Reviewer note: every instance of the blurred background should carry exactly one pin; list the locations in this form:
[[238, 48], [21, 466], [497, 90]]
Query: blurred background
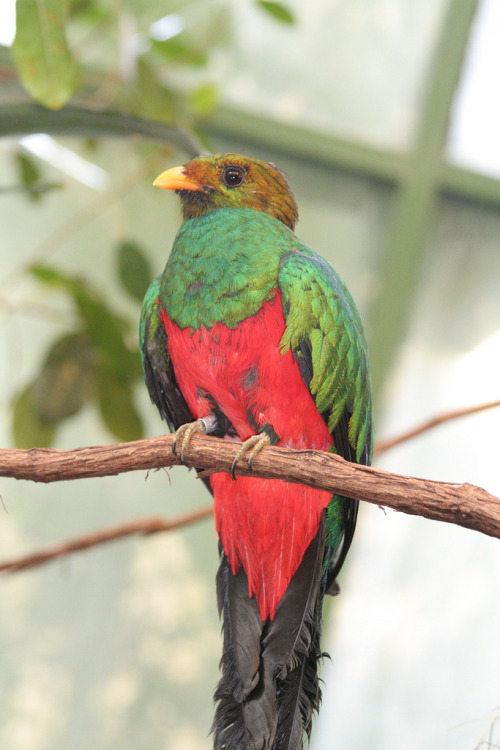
[[385, 115]]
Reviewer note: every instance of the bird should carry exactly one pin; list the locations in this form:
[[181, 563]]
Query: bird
[[250, 335]]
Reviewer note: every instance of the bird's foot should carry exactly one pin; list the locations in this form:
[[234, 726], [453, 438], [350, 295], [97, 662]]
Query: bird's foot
[[186, 431], [255, 443]]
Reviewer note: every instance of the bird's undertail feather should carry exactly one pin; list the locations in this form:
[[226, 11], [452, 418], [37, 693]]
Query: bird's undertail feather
[[299, 696], [269, 687], [246, 713]]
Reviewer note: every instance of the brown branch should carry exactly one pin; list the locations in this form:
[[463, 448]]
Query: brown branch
[[146, 526], [462, 504], [384, 445], [142, 526]]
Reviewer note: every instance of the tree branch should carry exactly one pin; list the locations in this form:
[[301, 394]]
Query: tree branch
[[20, 119], [144, 526], [462, 504], [384, 445]]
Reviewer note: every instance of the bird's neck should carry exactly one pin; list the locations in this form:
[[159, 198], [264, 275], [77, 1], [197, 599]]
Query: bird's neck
[[223, 267]]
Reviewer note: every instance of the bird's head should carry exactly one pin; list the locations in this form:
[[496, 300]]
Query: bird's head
[[231, 181]]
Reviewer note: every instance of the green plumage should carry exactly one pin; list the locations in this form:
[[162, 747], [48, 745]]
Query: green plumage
[[223, 267], [322, 315]]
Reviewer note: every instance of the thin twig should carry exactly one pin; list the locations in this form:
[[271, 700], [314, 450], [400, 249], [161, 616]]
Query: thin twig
[[385, 445], [142, 526]]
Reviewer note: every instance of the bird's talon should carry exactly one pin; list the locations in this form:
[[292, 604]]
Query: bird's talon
[[256, 443], [233, 467], [184, 435]]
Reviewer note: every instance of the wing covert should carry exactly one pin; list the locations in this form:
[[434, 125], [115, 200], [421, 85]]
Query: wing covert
[[325, 334]]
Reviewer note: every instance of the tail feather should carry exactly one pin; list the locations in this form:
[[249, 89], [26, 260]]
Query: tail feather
[[248, 724], [246, 713], [291, 632], [269, 687], [260, 712], [299, 696], [242, 627], [298, 648]]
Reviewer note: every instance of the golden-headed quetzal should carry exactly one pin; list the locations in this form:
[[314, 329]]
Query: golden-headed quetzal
[[249, 334]]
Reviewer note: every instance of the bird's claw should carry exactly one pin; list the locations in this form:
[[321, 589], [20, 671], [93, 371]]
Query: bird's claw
[[184, 435], [256, 443]]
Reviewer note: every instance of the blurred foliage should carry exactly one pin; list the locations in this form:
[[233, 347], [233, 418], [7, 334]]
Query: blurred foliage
[[134, 269], [277, 10], [124, 55], [41, 53], [31, 177], [84, 57], [93, 363]]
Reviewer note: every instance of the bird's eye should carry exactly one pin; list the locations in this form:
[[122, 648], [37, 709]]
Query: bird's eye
[[233, 176]]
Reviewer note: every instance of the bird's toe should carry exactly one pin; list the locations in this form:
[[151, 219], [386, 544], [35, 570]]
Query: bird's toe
[[254, 444], [184, 434]]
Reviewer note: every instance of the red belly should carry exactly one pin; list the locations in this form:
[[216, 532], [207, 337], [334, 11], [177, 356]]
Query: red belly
[[264, 525]]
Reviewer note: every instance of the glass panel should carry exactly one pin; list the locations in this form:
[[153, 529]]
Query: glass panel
[[473, 139], [356, 69]]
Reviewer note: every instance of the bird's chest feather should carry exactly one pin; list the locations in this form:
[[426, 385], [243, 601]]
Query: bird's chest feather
[[222, 268], [264, 525], [243, 371]]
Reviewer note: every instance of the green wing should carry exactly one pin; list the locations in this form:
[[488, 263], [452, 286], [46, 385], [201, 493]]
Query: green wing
[[326, 336], [156, 363], [324, 330]]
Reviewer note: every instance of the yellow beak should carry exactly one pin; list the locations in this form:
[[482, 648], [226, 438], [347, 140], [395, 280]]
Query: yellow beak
[[176, 179]]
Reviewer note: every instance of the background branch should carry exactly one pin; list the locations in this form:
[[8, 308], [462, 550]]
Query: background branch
[[142, 526], [21, 119], [384, 445]]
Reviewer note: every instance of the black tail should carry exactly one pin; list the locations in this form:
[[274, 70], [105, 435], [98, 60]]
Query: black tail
[[269, 685]]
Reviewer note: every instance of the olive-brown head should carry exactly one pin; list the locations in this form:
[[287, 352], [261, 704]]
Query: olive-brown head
[[231, 181]]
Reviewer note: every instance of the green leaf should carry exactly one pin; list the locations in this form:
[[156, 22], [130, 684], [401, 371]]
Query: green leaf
[[204, 100], [149, 98], [177, 51], [92, 12], [134, 270], [66, 380], [29, 175], [28, 169], [28, 429], [100, 320], [117, 409], [41, 53], [105, 329], [277, 10], [46, 274]]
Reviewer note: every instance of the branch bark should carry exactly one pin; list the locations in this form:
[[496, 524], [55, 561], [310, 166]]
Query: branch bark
[[462, 504]]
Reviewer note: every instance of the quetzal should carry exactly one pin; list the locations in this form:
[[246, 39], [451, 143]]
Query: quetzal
[[249, 334]]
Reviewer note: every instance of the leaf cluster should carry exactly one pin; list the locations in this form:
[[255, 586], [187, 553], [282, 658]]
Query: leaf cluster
[[101, 68], [93, 363], [126, 57]]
